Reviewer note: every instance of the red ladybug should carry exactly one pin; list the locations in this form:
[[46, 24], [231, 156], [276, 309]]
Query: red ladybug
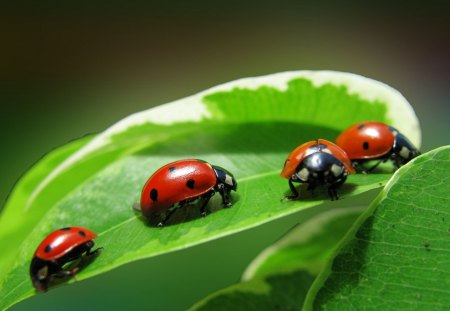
[[57, 249], [368, 141], [317, 163], [180, 183]]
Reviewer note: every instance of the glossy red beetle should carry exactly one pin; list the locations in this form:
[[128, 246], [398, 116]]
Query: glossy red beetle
[[57, 249], [180, 183], [317, 163], [367, 141]]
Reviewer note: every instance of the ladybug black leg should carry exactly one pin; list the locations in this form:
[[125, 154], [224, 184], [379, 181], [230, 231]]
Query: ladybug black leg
[[205, 199], [359, 167], [294, 194], [369, 170], [65, 273], [397, 162], [94, 252], [225, 194], [332, 190], [168, 215]]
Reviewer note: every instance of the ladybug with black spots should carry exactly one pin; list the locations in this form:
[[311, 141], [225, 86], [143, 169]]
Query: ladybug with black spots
[[367, 141], [57, 250], [182, 182], [317, 163]]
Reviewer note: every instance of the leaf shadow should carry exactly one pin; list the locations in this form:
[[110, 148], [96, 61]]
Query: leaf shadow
[[226, 138], [320, 193], [285, 291], [188, 213]]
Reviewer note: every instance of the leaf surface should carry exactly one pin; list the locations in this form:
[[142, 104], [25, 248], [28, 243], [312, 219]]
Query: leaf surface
[[306, 246], [396, 257], [247, 126], [280, 277]]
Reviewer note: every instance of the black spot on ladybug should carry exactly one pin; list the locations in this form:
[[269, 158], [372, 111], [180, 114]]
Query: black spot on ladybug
[[190, 183], [82, 233], [361, 126], [154, 195], [48, 248], [65, 229], [365, 145], [172, 168]]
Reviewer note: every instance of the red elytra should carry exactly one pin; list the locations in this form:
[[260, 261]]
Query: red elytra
[[304, 150], [367, 140], [62, 241], [175, 182]]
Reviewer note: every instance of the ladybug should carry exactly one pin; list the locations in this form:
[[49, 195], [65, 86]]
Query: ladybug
[[179, 183], [56, 250], [368, 141], [317, 163]]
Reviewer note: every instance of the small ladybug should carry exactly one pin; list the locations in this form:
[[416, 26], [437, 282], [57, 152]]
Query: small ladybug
[[180, 183], [368, 141], [317, 163], [56, 250]]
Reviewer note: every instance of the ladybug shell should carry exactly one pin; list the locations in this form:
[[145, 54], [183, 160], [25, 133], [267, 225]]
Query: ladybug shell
[[304, 150], [367, 140], [60, 242], [175, 182]]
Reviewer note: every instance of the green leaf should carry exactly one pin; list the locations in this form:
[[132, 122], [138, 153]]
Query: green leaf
[[247, 126], [280, 277], [274, 292], [13, 217], [306, 246], [396, 257]]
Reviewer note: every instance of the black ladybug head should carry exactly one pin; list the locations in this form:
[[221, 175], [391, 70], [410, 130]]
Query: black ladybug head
[[404, 149], [40, 273], [225, 177], [320, 168]]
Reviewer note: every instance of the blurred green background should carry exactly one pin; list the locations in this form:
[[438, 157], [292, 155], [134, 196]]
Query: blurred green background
[[67, 70]]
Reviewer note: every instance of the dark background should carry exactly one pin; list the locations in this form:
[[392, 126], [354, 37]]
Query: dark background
[[69, 69]]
